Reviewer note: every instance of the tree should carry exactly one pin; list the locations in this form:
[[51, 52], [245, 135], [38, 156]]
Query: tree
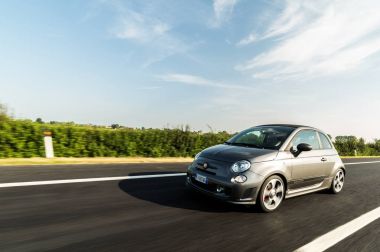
[[346, 145], [115, 126], [3, 113], [39, 120]]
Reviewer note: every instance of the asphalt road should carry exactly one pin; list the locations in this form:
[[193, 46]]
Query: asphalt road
[[157, 214]]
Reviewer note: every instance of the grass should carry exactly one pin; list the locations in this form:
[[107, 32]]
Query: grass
[[96, 160], [360, 156]]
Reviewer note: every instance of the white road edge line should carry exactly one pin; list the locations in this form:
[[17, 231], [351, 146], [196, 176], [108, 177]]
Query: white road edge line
[[85, 180], [333, 237], [68, 181], [369, 162]]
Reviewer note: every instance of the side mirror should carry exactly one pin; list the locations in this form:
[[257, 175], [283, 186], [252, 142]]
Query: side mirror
[[304, 147], [300, 148]]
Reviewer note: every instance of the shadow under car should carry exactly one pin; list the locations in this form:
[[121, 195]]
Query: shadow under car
[[172, 192]]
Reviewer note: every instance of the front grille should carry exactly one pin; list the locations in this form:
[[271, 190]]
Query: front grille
[[200, 166], [210, 186], [206, 171]]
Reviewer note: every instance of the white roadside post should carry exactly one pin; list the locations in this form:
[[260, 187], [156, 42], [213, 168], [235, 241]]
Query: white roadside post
[[48, 140]]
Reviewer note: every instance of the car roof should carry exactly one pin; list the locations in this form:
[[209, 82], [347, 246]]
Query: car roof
[[287, 125]]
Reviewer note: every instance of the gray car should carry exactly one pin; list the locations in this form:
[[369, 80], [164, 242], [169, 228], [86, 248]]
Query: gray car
[[264, 165]]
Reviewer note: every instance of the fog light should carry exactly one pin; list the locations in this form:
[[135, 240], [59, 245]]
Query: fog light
[[219, 189], [239, 179]]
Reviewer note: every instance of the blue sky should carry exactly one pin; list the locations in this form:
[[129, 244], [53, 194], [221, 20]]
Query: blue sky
[[230, 64]]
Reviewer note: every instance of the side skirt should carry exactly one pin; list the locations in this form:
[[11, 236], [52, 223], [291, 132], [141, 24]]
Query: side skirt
[[309, 189], [304, 183]]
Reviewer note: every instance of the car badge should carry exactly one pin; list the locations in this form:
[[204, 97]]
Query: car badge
[[205, 165]]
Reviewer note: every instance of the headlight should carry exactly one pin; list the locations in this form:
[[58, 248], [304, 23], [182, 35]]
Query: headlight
[[197, 156], [241, 166]]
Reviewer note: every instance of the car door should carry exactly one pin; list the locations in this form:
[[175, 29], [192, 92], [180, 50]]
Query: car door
[[328, 155], [307, 168]]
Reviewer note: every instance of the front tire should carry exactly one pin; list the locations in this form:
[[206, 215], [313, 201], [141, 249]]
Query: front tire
[[338, 182], [271, 194]]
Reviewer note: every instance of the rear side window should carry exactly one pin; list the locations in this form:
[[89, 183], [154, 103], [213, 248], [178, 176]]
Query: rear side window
[[306, 136], [324, 141]]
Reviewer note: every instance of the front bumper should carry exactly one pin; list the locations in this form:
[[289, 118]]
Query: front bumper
[[235, 193]]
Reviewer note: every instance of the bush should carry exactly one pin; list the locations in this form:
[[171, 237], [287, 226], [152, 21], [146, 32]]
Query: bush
[[24, 138], [351, 146]]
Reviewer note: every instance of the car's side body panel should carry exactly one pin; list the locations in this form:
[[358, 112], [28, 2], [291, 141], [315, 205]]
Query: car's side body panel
[[308, 165]]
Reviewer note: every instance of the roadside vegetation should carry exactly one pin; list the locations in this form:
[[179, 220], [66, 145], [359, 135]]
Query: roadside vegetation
[[24, 139]]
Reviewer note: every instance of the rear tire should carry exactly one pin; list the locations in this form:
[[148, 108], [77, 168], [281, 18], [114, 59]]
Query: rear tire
[[271, 194], [337, 182]]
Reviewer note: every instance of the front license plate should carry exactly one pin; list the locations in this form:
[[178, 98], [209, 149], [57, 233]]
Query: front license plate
[[200, 178]]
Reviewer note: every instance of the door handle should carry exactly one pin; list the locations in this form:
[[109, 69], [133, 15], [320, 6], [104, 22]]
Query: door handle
[[324, 159]]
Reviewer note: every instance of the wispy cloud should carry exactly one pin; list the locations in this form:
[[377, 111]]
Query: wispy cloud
[[135, 26], [152, 34], [293, 16], [222, 11], [247, 40], [318, 38], [195, 80]]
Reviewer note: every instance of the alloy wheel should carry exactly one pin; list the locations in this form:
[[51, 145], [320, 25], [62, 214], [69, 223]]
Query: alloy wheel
[[273, 194], [338, 181]]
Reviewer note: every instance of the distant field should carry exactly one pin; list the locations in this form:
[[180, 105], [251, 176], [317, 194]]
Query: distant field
[[98, 160]]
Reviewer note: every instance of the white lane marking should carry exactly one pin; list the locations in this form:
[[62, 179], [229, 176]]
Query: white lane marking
[[333, 237], [67, 181], [368, 162]]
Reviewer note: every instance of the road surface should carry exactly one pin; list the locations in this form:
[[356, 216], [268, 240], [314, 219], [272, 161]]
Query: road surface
[[157, 214]]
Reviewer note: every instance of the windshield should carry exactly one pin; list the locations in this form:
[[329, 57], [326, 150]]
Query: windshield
[[262, 137]]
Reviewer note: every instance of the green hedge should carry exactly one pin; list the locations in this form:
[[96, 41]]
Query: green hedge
[[24, 138], [351, 146]]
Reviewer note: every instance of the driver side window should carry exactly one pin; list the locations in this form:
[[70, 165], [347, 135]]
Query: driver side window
[[306, 136]]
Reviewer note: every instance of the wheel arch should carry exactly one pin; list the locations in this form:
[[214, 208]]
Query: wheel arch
[[336, 170], [281, 175], [344, 170]]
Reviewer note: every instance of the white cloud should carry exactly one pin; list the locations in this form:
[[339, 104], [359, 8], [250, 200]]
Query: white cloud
[[350, 58], [247, 40], [151, 34], [136, 26], [222, 11], [294, 15], [322, 37], [195, 80]]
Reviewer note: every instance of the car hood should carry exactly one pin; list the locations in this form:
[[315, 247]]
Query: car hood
[[230, 153]]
